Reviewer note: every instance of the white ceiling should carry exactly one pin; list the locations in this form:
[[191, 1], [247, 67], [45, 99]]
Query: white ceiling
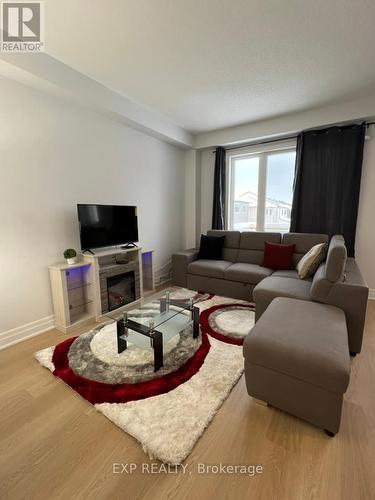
[[209, 64]]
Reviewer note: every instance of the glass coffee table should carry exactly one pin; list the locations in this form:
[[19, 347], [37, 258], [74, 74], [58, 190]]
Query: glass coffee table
[[172, 317]]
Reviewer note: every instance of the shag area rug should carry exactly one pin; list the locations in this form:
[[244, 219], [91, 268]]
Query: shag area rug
[[168, 410]]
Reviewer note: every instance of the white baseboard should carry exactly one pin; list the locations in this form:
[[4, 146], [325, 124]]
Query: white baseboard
[[24, 332]]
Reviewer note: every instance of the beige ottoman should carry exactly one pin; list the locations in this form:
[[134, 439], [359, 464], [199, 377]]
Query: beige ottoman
[[297, 359]]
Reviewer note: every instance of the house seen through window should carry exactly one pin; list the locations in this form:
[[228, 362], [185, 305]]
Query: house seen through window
[[261, 188]]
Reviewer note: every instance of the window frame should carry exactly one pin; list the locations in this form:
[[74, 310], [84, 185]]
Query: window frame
[[262, 151]]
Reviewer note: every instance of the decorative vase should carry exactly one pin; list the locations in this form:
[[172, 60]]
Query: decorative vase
[[71, 261]]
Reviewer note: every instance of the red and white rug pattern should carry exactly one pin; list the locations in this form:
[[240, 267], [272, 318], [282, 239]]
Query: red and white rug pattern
[[226, 319], [166, 411]]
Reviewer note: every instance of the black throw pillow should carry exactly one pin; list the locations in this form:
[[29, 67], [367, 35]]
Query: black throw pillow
[[211, 247]]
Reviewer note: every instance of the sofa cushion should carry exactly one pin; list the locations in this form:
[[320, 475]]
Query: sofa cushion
[[246, 273], [211, 268], [304, 340], [231, 243], [211, 247], [252, 246], [276, 286], [278, 256], [303, 243], [287, 273]]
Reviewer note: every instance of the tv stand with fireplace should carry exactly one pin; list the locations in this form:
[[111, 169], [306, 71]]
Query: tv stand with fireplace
[[100, 283]]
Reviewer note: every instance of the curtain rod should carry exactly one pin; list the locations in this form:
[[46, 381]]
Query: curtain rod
[[294, 136]]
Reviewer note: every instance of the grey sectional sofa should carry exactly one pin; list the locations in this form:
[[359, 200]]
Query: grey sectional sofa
[[239, 274], [297, 359]]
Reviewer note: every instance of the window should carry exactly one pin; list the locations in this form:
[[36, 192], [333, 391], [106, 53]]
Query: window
[[261, 183]]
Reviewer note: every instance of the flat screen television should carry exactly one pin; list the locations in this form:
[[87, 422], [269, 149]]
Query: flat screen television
[[107, 225]]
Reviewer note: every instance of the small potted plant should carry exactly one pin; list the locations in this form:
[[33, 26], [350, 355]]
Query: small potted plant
[[70, 255]]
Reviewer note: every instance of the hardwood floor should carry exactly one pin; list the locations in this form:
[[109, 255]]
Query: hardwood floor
[[54, 445]]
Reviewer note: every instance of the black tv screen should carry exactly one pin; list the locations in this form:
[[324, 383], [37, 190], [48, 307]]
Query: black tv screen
[[107, 225]]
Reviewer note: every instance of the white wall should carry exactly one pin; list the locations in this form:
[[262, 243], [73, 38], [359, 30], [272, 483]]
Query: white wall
[[365, 239], [50, 75], [191, 158], [339, 112], [52, 156]]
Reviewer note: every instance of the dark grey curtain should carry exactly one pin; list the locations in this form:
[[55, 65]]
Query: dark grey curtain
[[218, 210], [327, 182]]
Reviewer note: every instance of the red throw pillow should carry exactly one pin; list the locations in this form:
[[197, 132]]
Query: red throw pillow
[[278, 256]]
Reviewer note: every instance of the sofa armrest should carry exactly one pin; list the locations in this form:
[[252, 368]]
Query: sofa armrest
[[180, 262], [350, 295]]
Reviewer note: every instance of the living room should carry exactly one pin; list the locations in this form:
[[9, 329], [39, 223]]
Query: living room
[[187, 194]]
